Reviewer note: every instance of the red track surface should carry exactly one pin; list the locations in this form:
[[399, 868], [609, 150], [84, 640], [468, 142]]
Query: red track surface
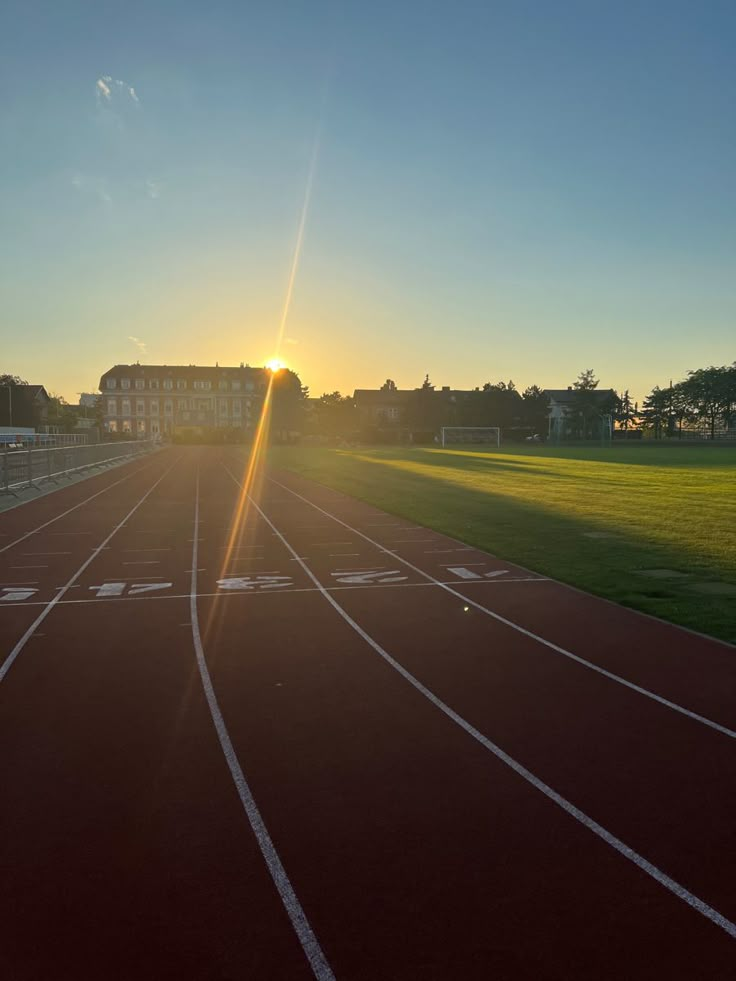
[[497, 778]]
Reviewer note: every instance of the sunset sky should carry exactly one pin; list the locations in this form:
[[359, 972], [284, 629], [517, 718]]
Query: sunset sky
[[480, 191]]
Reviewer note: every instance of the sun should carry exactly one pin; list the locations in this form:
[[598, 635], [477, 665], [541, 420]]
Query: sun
[[275, 365]]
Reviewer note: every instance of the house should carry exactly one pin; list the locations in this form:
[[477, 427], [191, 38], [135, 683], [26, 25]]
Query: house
[[25, 406], [564, 403], [152, 400], [377, 408]]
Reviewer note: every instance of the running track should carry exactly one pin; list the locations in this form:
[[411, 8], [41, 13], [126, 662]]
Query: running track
[[303, 738]]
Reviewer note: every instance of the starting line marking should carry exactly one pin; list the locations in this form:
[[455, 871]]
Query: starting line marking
[[221, 593]]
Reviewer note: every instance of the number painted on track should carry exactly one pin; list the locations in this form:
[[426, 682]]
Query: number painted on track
[[251, 583], [363, 578]]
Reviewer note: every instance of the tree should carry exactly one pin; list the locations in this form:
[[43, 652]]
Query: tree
[[389, 386], [625, 413], [6, 379], [535, 409], [585, 407], [656, 411], [334, 415], [287, 405], [61, 415], [586, 381]]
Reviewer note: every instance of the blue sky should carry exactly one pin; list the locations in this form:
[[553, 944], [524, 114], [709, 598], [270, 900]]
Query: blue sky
[[499, 190]]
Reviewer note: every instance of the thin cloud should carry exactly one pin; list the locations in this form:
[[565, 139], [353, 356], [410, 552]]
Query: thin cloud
[[111, 90], [141, 345], [291, 340], [153, 188]]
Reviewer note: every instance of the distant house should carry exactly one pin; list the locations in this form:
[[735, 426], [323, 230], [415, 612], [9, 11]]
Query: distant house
[[563, 403], [152, 400], [380, 407], [25, 406]]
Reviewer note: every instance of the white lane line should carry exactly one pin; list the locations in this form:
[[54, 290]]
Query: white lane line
[[413, 541], [8, 663], [724, 730], [446, 551], [29, 567], [164, 548], [588, 822], [310, 945], [39, 554], [69, 511], [144, 562], [343, 555], [449, 565]]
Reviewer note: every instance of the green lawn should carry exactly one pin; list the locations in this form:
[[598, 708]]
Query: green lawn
[[596, 518]]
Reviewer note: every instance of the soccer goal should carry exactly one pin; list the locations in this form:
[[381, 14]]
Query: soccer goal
[[475, 435]]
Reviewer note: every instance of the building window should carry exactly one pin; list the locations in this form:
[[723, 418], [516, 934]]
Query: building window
[[249, 386], [155, 429], [140, 407], [236, 386], [112, 426], [182, 404], [223, 407], [154, 384], [140, 384], [153, 407], [141, 425], [126, 407], [127, 427], [202, 385], [181, 384], [168, 407], [168, 384], [236, 407], [112, 407], [222, 385], [125, 383], [111, 382]]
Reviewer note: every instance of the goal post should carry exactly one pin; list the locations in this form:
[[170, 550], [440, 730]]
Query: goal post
[[471, 435]]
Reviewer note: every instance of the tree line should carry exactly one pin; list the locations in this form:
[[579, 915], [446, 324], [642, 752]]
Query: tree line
[[705, 400]]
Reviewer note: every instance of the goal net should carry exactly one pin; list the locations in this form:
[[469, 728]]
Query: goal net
[[476, 435]]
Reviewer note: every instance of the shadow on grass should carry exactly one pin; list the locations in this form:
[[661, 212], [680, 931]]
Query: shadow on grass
[[543, 540]]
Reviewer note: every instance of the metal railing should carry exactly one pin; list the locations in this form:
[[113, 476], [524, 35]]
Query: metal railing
[[26, 467]]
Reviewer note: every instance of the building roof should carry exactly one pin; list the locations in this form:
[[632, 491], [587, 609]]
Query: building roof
[[568, 394], [186, 371], [375, 396], [30, 392]]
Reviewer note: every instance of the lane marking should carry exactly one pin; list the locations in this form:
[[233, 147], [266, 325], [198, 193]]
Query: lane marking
[[310, 945], [9, 660], [45, 553], [462, 573], [297, 589], [29, 567], [144, 562], [678, 890], [15, 594], [694, 716], [69, 511]]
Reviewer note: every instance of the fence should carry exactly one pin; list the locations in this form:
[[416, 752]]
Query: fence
[[14, 438], [26, 467]]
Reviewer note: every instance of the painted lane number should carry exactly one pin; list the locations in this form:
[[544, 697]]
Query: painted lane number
[[254, 582], [364, 578], [108, 589]]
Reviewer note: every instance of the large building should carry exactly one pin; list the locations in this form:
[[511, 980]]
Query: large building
[[152, 400]]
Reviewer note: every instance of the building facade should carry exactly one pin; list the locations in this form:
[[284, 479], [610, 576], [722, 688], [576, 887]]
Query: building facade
[[157, 400]]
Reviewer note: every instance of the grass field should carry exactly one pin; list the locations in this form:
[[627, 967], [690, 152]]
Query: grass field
[[650, 527]]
